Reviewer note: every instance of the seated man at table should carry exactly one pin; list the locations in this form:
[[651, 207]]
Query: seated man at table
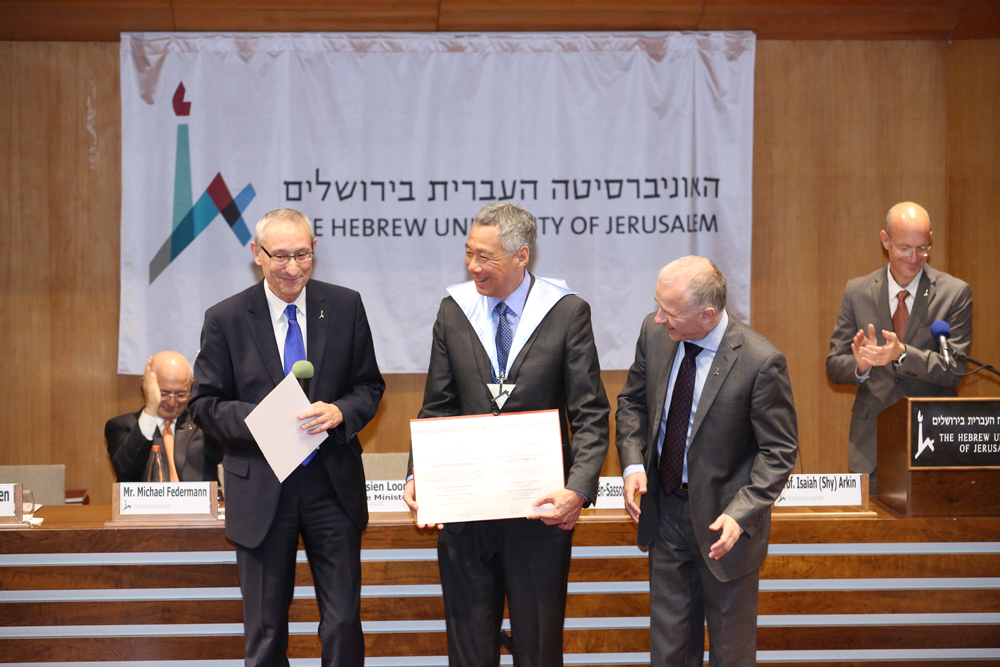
[[166, 388]]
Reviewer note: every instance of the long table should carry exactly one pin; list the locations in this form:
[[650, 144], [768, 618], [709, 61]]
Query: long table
[[835, 590]]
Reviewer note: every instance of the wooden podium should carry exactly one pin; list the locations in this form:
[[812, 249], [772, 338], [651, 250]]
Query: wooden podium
[[940, 456]]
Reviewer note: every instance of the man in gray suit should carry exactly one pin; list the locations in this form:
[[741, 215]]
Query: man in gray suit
[[165, 421], [707, 434], [882, 343], [534, 336]]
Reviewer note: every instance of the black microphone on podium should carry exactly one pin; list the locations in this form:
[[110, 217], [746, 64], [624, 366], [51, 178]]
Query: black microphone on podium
[[941, 333], [303, 371]]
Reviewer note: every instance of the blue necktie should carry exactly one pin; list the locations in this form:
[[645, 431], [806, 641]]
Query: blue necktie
[[295, 351], [504, 338]]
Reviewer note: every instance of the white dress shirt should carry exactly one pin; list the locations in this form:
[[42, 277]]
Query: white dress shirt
[[703, 364], [280, 320]]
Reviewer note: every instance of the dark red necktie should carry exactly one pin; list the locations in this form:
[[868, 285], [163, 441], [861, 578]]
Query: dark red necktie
[[901, 317], [671, 467]]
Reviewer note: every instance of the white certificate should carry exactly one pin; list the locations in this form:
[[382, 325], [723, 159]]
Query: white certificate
[[484, 467], [275, 425]]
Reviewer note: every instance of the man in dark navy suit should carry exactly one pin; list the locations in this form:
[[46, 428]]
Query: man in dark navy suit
[[248, 345]]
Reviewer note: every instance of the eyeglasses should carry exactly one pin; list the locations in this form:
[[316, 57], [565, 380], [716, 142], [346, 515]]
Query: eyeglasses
[[907, 251], [176, 395], [299, 257]]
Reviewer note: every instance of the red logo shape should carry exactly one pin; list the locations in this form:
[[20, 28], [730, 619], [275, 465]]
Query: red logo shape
[[181, 108]]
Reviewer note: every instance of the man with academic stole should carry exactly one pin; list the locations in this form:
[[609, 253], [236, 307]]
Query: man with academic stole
[[533, 336]]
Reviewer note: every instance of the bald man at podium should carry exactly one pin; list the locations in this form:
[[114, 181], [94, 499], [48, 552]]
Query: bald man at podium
[[882, 343]]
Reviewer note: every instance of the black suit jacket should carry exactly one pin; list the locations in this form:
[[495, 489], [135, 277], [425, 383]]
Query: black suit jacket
[[239, 364], [922, 373], [196, 456], [744, 441], [557, 369]]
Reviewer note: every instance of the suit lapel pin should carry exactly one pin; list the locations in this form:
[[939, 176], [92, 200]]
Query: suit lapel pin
[[926, 291], [716, 371], [321, 314]]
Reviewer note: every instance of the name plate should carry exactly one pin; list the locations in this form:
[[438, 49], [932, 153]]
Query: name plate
[[830, 490], [166, 501], [954, 434], [10, 503], [610, 493], [386, 495]]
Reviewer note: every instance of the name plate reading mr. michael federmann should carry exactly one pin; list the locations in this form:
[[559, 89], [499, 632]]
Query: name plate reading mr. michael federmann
[[165, 501]]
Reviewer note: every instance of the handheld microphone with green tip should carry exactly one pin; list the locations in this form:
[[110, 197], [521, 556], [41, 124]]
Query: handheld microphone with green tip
[[303, 371]]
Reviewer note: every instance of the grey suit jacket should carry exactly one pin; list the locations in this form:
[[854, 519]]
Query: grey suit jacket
[[744, 441], [922, 373], [556, 369], [196, 456]]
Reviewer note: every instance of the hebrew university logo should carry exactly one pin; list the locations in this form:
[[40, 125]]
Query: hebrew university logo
[[191, 218]]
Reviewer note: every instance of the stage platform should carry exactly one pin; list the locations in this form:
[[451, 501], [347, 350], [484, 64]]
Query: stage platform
[[838, 588]]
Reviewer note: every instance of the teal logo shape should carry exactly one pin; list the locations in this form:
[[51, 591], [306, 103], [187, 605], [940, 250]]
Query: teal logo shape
[[191, 218]]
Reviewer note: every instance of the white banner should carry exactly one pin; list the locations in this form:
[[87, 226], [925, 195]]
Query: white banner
[[630, 149]]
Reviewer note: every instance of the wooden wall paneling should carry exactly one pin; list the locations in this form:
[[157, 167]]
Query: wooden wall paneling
[[305, 15], [973, 132], [842, 130], [63, 192], [614, 382], [24, 280], [513, 15], [835, 19], [82, 20], [980, 19], [85, 159], [390, 430]]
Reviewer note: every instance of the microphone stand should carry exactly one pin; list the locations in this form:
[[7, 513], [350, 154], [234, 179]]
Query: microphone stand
[[961, 356]]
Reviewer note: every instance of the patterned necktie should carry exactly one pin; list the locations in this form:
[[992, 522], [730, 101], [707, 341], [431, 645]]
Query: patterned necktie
[[901, 317], [294, 349], [168, 444], [671, 466], [504, 338]]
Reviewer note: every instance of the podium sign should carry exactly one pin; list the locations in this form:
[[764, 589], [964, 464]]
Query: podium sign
[[940, 456], [955, 433]]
